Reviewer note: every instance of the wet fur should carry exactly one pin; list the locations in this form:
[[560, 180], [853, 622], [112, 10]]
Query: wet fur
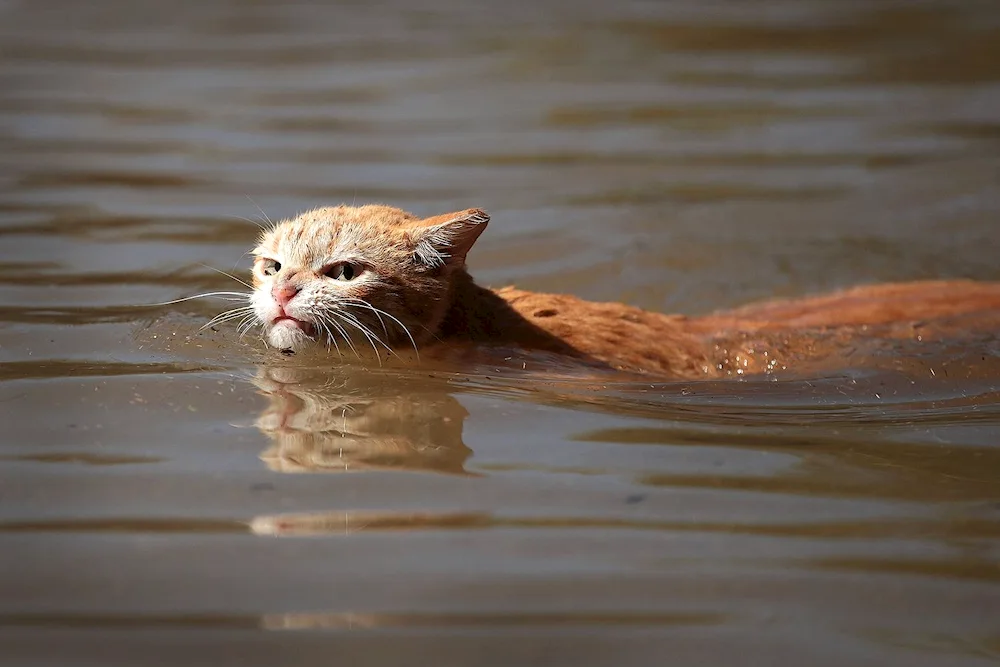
[[418, 295]]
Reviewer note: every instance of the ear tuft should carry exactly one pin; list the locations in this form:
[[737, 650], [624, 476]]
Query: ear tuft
[[444, 240]]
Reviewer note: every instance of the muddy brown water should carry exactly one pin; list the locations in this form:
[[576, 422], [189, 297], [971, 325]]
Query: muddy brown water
[[174, 496]]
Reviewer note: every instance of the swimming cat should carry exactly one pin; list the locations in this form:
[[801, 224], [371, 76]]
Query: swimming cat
[[381, 278]]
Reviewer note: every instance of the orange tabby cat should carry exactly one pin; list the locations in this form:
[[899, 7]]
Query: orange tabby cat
[[379, 277]]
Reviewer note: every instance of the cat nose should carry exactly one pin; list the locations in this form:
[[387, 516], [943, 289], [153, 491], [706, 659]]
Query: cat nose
[[284, 293]]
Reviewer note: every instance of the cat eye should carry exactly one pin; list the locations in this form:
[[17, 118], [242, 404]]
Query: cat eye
[[270, 267], [344, 271]]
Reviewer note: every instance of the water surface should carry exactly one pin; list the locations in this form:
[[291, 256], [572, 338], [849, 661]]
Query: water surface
[[176, 496]]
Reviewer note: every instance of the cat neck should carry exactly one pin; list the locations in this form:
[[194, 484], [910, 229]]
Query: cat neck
[[479, 315]]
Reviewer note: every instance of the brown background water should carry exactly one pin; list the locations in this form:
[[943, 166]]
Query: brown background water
[[170, 496]]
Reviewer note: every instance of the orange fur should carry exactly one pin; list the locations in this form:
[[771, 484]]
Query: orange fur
[[409, 286]]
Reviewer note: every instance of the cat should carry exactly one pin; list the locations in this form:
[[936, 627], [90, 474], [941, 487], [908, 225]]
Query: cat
[[379, 278]]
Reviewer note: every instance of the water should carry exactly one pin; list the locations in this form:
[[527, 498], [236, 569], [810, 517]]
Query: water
[[171, 496]]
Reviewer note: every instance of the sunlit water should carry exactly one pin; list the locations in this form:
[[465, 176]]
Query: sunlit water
[[171, 495]]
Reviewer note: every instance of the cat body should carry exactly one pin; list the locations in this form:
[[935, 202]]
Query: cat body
[[379, 278]]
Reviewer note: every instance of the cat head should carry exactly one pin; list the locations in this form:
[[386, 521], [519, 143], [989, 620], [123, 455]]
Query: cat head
[[373, 275]]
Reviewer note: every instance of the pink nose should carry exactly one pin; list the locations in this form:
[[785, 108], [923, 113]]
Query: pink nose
[[284, 293]]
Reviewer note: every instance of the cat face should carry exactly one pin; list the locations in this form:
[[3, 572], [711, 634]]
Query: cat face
[[373, 275]]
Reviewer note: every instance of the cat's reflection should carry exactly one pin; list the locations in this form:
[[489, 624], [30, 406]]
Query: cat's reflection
[[334, 421]]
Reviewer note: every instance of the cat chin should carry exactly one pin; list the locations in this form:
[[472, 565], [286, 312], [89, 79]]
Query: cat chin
[[288, 337]]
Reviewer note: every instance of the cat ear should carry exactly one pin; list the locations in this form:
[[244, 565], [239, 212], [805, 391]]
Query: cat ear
[[444, 240]]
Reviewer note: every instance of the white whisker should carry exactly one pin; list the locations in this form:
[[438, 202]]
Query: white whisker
[[227, 296], [358, 324], [269, 221], [250, 220], [222, 320], [347, 338], [240, 258], [246, 324], [227, 315], [365, 304], [228, 275], [394, 319], [242, 310], [333, 339], [325, 331], [353, 321], [330, 338]]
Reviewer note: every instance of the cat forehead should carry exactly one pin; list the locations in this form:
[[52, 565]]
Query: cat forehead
[[334, 229]]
